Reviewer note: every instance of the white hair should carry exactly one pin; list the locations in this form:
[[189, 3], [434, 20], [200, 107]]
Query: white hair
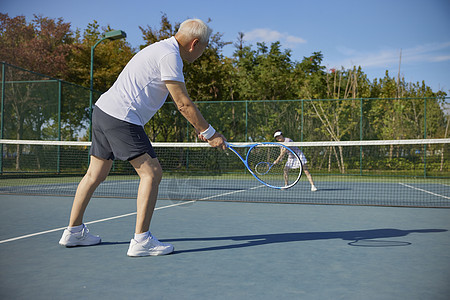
[[195, 28]]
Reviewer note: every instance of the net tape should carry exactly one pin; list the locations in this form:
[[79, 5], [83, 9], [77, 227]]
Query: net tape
[[201, 144]]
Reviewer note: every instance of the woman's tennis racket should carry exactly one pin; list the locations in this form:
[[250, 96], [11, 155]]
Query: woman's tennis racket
[[260, 160]]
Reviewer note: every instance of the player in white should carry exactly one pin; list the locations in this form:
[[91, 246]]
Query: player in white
[[118, 132], [291, 163]]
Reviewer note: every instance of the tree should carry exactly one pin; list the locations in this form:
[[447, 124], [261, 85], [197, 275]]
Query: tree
[[42, 45], [266, 73], [110, 57], [165, 31]]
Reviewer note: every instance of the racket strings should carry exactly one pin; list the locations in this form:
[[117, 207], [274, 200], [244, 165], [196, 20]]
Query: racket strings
[[265, 162]]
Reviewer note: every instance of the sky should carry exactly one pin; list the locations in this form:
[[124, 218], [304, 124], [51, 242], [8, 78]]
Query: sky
[[367, 33]]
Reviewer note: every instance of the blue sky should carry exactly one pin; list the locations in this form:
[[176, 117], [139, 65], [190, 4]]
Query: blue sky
[[347, 32]]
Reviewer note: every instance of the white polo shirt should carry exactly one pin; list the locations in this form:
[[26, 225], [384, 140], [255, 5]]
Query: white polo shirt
[[140, 91]]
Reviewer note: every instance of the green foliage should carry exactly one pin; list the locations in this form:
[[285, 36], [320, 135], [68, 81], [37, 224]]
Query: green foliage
[[42, 45], [165, 31], [110, 57], [259, 73]]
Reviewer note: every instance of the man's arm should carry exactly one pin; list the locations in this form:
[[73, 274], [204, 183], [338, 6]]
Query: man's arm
[[190, 111]]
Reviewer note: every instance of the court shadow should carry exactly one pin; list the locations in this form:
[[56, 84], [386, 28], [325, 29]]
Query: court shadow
[[113, 243], [353, 237]]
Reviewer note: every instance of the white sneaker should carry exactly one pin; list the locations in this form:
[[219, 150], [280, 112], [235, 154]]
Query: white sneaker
[[82, 238], [150, 247], [313, 189]]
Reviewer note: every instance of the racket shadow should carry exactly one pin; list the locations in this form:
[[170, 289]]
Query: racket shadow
[[363, 237]]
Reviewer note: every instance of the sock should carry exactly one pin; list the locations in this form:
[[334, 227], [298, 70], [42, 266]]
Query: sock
[[140, 237], [75, 229]]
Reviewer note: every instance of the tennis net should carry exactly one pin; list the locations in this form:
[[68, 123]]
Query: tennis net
[[406, 173]]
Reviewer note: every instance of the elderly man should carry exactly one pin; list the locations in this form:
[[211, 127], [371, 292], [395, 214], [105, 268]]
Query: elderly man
[[118, 131]]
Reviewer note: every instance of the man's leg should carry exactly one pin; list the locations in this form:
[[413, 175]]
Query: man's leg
[[144, 243], [150, 174], [77, 234], [96, 173]]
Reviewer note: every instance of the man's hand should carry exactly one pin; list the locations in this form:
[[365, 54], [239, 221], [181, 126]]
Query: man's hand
[[217, 141]]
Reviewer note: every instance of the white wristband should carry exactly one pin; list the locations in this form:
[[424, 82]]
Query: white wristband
[[208, 133]]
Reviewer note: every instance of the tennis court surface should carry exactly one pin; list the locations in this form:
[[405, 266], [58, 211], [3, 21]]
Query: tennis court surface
[[226, 250], [384, 232]]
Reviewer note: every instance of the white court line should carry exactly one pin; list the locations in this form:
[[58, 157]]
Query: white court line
[[87, 223], [230, 193], [120, 216], [425, 191]]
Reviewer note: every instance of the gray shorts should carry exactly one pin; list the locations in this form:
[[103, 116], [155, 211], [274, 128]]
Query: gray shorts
[[116, 139]]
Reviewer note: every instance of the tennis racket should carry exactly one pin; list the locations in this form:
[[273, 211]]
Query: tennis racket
[[274, 165]]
